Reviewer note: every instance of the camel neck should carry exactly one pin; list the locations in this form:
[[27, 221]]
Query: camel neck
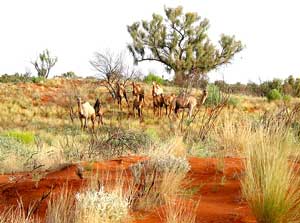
[[79, 107]]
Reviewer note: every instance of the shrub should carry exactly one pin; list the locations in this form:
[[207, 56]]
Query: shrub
[[16, 156], [233, 102], [100, 206], [20, 78], [23, 137], [287, 98], [214, 95], [152, 77], [273, 95], [69, 74], [158, 179]]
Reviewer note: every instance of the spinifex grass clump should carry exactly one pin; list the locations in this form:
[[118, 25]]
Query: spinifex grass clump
[[93, 206], [180, 210], [89, 206], [271, 184], [158, 179]]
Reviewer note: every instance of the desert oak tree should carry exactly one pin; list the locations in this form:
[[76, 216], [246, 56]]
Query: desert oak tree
[[181, 43]]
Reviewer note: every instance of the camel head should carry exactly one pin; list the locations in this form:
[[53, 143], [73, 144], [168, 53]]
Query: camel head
[[156, 89], [79, 100]]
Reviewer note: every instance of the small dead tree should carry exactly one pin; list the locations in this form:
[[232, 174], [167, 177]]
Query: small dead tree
[[112, 70]]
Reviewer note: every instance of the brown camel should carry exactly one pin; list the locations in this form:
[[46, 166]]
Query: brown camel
[[99, 111], [168, 100], [86, 111], [158, 98], [138, 105], [138, 90], [120, 94], [190, 102]]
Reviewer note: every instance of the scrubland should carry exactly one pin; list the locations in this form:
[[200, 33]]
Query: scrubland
[[241, 150]]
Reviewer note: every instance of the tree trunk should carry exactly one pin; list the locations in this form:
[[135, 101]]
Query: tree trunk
[[179, 78]]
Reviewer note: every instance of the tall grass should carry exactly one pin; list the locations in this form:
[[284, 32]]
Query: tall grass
[[61, 207], [18, 214], [180, 210], [271, 183]]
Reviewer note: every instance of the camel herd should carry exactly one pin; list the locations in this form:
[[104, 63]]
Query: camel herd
[[170, 102]]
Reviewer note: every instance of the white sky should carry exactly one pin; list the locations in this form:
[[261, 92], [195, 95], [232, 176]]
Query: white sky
[[74, 29]]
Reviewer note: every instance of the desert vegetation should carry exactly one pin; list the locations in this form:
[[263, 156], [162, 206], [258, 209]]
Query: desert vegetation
[[219, 153]]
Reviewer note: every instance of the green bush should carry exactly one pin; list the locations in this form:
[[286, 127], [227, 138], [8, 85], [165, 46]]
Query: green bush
[[69, 74], [233, 102], [152, 77], [14, 155], [22, 137], [20, 78], [273, 95], [287, 98], [214, 95]]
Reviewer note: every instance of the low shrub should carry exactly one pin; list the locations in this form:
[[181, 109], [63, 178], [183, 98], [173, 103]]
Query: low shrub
[[214, 95], [158, 179], [273, 95], [100, 206], [20, 78], [233, 102], [23, 137]]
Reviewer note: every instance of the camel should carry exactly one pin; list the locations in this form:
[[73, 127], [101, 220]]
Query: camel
[[138, 105], [99, 111], [168, 100], [86, 111], [121, 93], [158, 98], [138, 90], [158, 103], [190, 102]]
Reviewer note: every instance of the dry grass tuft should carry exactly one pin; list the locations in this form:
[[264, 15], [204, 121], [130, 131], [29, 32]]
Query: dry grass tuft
[[271, 184]]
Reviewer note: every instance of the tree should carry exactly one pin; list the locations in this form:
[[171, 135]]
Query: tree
[[69, 74], [180, 42], [44, 63], [112, 70]]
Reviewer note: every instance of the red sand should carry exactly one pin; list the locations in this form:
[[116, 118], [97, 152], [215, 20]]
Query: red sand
[[218, 190]]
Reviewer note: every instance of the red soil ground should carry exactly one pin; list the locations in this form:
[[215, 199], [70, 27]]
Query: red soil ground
[[217, 189]]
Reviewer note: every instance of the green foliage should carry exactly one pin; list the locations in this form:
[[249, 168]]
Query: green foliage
[[23, 137], [44, 63], [287, 98], [214, 95], [273, 95], [14, 155], [69, 74], [20, 78], [233, 102], [180, 42], [152, 133], [152, 77]]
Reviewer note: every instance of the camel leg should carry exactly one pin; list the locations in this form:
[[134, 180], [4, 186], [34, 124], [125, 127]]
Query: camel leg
[[93, 119], [125, 96], [190, 112], [85, 122], [101, 119], [133, 110], [81, 123]]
